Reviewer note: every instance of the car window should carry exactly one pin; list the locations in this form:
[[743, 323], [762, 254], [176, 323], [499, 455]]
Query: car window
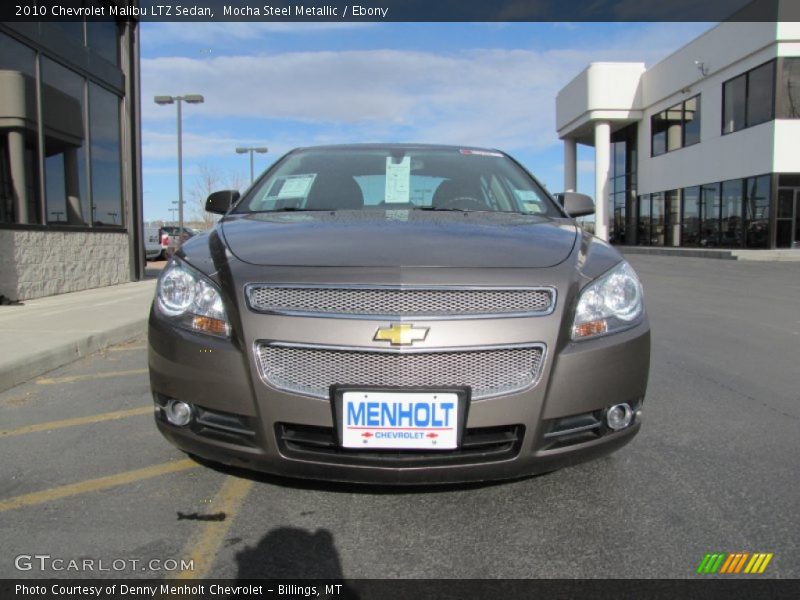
[[396, 177]]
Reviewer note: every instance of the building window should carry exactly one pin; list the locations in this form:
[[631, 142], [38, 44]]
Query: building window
[[104, 126], [789, 89], [622, 185], [676, 127], [732, 214], [784, 219], [761, 94], [19, 140], [657, 219], [643, 226], [658, 129], [730, 223], [690, 222], [102, 37], [734, 97], [709, 214], [618, 186], [691, 121], [749, 99], [756, 211], [63, 110], [672, 218], [72, 30]]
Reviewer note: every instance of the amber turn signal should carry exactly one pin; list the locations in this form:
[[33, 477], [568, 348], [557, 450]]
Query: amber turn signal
[[591, 328], [210, 325]]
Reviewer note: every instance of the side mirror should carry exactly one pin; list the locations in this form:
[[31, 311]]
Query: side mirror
[[576, 205], [220, 202]]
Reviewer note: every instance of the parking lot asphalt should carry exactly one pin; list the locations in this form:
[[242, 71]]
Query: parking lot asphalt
[[86, 475]]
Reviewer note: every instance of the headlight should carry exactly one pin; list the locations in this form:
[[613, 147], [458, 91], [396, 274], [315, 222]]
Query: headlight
[[191, 300], [609, 304]]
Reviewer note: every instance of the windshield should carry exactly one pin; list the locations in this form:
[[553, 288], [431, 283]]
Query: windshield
[[398, 178]]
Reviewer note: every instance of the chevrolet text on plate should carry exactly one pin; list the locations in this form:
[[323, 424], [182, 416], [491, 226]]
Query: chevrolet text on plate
[[398, 313]]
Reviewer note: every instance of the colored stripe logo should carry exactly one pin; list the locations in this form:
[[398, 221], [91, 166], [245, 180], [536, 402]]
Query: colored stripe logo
[[734, 563]]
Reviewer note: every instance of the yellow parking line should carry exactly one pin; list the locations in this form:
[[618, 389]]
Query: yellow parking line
[[73, 378], [111, 416], [94, 485], [203, 548]]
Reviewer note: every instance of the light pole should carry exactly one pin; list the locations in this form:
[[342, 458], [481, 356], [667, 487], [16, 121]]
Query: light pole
[[191, 99], [259, 149]]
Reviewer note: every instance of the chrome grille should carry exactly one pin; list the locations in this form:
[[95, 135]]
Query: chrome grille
[[312, 370], [411, 302]]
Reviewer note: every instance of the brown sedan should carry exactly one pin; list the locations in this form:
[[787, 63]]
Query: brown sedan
[[398, 314]]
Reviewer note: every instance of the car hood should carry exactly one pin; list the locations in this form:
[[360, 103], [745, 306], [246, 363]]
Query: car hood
[[399, 238]]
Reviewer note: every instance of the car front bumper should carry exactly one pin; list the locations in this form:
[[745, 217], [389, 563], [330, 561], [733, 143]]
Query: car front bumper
[[241, 421]]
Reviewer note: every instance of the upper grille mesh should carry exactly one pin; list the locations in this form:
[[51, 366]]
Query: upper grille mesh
[[311, 371], [399, 302]]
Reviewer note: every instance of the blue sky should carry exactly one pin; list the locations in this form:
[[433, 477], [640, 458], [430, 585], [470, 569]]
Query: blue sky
[[284, 85]]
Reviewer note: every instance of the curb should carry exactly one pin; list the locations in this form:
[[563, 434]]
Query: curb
[[744, 255], [29, 367], [717, 254]]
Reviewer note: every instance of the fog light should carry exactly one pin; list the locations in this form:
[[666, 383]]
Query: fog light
[[619, 416], [178, 412]]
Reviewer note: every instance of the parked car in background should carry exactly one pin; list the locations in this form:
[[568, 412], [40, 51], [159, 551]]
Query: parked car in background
[[153, 249], [173, 241]]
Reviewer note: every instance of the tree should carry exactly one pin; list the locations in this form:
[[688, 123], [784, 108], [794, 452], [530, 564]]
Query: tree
[[210, 179]]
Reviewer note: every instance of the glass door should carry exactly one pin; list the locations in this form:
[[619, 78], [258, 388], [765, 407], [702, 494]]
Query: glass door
[[796, 218], [796, 241]]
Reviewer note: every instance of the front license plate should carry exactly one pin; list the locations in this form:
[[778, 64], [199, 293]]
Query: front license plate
[[399, 420]]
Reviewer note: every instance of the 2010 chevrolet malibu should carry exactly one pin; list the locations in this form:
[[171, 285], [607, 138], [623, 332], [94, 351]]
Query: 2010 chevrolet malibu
[[398, 314]]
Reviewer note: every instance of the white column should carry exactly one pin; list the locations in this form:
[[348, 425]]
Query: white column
[[16, 154], [602, 155], [570, 165]]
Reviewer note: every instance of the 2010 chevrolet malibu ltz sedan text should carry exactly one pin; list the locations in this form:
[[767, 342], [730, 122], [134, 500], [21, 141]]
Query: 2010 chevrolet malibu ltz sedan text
[[398, 314]]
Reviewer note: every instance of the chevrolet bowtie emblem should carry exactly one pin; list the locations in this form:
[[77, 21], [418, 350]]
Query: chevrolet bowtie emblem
[[401, 334]]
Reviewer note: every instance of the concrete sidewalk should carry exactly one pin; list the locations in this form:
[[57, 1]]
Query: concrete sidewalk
[[39, 335]]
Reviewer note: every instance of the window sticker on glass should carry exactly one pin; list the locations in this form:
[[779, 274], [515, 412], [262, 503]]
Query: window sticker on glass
[[526, 195], [398, 176], [296, 186], [533, 207]]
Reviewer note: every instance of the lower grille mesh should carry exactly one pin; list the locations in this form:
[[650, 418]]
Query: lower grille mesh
[[479, 445], [311, 371]]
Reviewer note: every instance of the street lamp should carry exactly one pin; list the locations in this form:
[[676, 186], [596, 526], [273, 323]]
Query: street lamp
[[191, 99], [259, 149]]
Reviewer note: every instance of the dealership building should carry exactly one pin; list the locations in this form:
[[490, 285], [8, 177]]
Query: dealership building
[[70, 174], [701, 149]]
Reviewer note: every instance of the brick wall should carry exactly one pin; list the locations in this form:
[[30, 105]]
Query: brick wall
[[43, 263]]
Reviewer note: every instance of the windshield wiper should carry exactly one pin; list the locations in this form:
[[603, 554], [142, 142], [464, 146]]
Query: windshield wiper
[[445, 209], [470, 210]]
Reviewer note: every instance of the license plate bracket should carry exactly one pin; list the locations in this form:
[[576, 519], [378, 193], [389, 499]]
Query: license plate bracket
[[392, 418]]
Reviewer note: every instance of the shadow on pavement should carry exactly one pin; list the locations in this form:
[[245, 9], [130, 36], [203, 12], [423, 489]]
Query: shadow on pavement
[[291, 553]]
